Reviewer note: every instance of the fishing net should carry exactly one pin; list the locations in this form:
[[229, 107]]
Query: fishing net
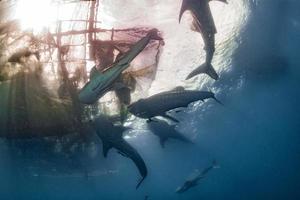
[[41, 74]]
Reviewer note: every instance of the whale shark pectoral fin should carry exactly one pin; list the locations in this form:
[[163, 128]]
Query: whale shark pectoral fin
[[169, 117], [178, 110], [205, 68], [106, 147]]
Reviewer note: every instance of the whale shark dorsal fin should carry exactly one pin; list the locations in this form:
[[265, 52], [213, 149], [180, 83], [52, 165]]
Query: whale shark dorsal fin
[[106, 147], [179, 88]]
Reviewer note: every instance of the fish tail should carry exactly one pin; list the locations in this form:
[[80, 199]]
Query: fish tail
[[140, 182], [210, 71], [205, 68]]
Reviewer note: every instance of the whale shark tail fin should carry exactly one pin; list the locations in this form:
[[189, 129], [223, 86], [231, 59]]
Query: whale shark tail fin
[[205, 68], [140, 182]]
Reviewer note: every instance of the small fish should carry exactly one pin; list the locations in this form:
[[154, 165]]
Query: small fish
[[192, 182]]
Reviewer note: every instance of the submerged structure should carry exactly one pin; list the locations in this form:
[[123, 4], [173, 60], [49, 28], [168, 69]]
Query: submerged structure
[[42, 71]]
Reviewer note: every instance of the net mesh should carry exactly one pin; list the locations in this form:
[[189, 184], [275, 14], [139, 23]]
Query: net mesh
[[35, 99]]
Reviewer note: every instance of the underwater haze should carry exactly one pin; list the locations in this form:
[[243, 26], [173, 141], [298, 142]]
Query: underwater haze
[[254, 137]]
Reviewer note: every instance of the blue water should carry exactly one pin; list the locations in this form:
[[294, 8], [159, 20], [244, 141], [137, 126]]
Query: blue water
[[255, 137]]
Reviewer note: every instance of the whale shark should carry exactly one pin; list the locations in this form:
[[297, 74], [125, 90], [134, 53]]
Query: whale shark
[[159, 104], [102, 82], [205, 25], [112, 137], [165, 131]]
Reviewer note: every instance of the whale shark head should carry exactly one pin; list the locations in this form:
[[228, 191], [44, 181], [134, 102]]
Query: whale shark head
[[139, 108]]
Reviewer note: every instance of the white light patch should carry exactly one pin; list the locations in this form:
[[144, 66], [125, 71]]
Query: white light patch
[[35, 14]]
